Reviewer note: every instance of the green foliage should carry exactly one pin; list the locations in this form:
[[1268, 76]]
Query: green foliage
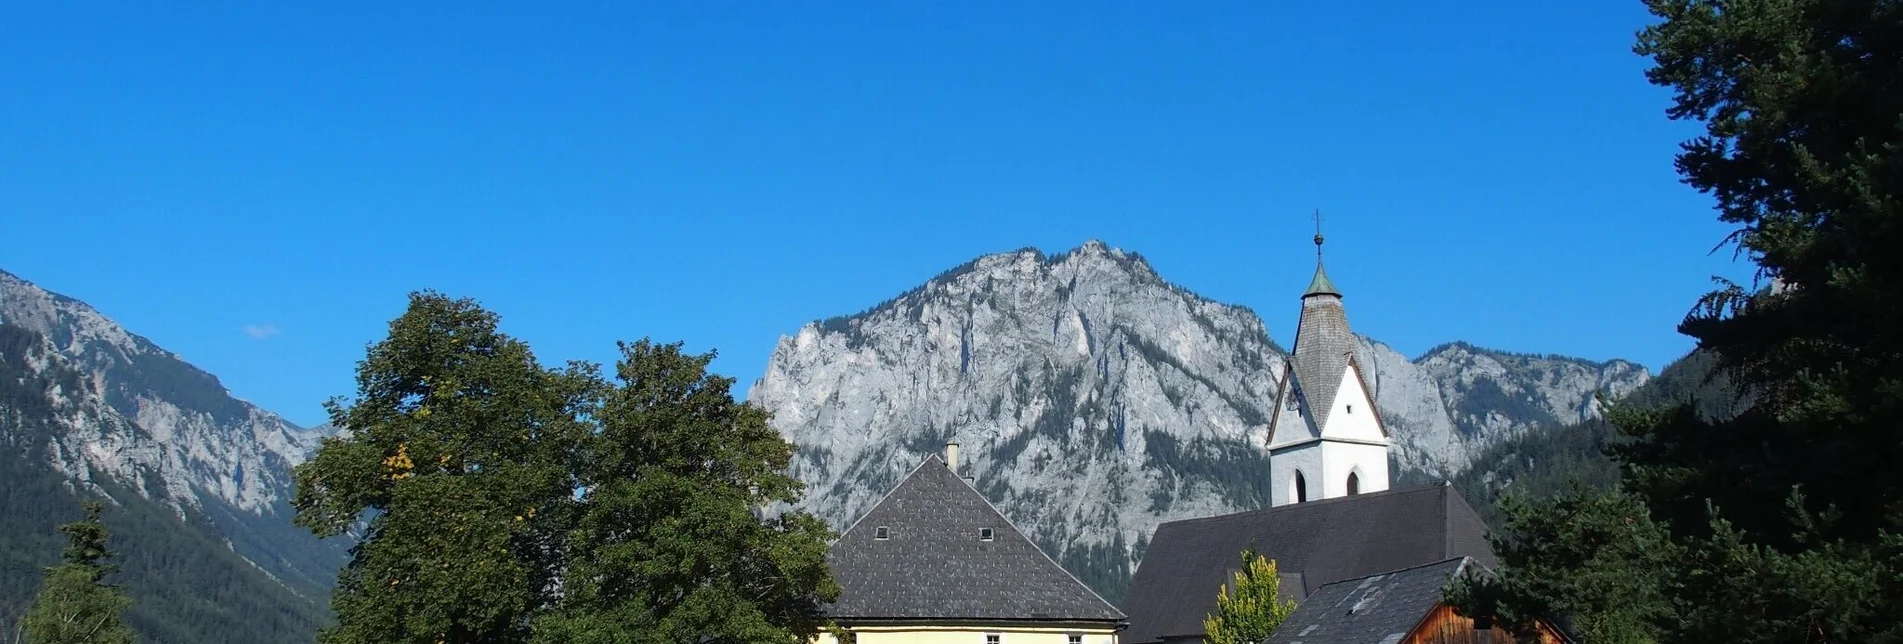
[[75, 605], [1583, 553], [510, 502], [1252, 613], [1547, 462], [1780, 522]]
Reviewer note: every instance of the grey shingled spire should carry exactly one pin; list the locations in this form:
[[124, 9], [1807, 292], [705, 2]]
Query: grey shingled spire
[[1323, 344]]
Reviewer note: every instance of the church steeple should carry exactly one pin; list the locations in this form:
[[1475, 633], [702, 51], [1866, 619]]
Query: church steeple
[[1326, 438], [1321, 284]]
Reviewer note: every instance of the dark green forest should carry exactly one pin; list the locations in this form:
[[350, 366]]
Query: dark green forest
[[1544, 462], [189, 587]]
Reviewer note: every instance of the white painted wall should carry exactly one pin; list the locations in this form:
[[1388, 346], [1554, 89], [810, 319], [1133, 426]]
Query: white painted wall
[[1354, 416], [1291, 425], [1283, 465], [1007, 634], [1338, 459], [1352, 442]]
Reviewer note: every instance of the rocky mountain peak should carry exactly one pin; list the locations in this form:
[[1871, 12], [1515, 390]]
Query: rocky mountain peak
[[154, 418], [1094, 399]]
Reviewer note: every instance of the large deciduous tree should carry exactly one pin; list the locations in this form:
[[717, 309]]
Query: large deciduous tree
[[75, 605], [669, 547], [503, 501], [1780, 523]]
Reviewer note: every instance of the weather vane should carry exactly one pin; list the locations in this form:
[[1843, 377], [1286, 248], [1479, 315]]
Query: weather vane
[[1318, 234]]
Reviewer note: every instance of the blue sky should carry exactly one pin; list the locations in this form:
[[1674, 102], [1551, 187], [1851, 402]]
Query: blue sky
[[257, 187]]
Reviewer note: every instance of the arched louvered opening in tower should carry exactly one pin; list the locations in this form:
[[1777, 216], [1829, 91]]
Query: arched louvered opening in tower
[[1354, 484], [1301, 488]]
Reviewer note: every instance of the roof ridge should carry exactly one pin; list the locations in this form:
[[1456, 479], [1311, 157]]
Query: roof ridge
[[1047, 556], [1464, 559], [1431, 487], [887, 496]]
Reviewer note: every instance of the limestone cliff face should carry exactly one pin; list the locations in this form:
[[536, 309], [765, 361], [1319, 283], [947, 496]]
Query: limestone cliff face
[[1093, 399], [127, 412]]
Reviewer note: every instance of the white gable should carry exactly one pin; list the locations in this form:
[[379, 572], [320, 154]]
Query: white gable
[[1354, 416]]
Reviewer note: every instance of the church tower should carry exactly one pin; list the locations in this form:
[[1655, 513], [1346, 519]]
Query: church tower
[[1325, 437]]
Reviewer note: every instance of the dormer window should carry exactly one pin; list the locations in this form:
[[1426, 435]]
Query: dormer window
[[881, 533], [986, 534]]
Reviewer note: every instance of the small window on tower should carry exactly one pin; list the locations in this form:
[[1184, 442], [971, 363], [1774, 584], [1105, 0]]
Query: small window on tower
[[1351, 409], [881, 533], [1074, 639], [1354, 484], [992, 638], [1301, 488], [985, 534]]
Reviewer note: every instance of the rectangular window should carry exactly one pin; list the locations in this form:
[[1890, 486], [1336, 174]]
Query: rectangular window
[[992, 638], [1074, 639], [985, 534]]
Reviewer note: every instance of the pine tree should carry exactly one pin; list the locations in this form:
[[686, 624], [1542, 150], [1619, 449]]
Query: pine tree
[[75, 605], [1255, 610], [1780, 523]]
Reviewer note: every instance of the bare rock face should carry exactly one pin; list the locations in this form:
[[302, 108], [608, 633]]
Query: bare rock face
[[129, 413], [1093, 400]]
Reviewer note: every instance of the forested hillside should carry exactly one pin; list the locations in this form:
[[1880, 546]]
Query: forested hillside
[[1543, 463], [190, 587]]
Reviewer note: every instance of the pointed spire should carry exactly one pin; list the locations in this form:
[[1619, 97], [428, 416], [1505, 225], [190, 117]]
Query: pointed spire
[[1320, 285]]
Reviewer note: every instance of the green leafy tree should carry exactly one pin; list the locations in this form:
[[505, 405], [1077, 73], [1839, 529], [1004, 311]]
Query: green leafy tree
[[75, 605], [460, 449], [508, 502], [1251, 614], [1779, 523], [669, 547]]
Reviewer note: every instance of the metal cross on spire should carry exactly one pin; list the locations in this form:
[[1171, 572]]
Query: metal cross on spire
[[1318, 235]]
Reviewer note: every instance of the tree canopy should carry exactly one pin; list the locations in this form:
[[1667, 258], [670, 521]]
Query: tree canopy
[[504, 501], [1255, 609], [75, 605], [1779, 523]]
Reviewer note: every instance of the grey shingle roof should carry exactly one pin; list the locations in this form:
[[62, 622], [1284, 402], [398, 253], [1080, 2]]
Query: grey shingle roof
[[1323, 541], [1378, 609], [933, 565], [1323, 345]]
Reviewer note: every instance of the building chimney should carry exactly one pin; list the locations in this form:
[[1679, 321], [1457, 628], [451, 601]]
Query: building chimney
[[951, 457]]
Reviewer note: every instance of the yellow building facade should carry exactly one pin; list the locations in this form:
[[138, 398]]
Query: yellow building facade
[[973, 634]]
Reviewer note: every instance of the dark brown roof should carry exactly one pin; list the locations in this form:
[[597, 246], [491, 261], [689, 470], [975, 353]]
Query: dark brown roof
[[934, 565], [1377, 609], [1323, 541]]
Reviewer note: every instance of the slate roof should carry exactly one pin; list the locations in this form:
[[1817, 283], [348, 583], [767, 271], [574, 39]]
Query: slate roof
[[1378, 609], [933, 565], [1322, 541]]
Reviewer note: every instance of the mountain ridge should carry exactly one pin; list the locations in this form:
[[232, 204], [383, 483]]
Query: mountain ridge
[[110, 413], [1082, 382]]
